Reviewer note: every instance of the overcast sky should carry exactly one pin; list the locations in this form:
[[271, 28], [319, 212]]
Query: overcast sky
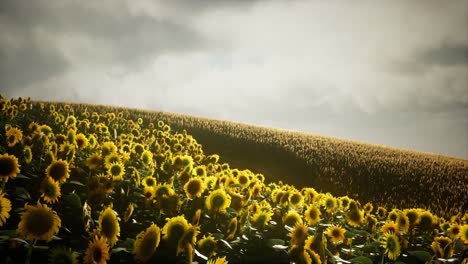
[[386, 72]]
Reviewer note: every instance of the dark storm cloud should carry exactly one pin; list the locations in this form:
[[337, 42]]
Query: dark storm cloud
[[32, 30], [451, 54]]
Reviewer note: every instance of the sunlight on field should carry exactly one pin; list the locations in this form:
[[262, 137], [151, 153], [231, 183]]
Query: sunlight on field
[[100, 184]]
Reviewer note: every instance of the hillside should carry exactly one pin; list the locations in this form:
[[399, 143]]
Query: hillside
[[388, 176]]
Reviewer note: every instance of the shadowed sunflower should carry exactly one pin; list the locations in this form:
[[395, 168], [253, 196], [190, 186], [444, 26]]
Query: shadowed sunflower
[[61, 255], [390, 227], [13, 136], [312, 215], [113, 157], [291, 218], [146, 243], [38, 222], [314, 257], [108, 226], [187, 241], [371, 223], [108, 148], [128, 212], [464, 234], [27, 154], [174, 229], [426, 221], [147, 158], [330, 204], [9, 167], [194, 188], [261, 218], [381, 213], [207, 246], [5, 208], [336, 233], [58, 170], [116, 170], [402, 222], [442, 247], [81, 141], [368, 207], [298, 234], [354, 217], [413, 217], [97, 252], [218, 201], [393, 215], [231, 228], [50, 190], [391, 245]]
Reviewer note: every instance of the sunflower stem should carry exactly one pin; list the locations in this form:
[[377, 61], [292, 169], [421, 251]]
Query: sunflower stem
[[30, 249], [383, 257]]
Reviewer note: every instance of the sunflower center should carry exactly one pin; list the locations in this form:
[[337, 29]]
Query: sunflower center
[[11, 139], [108, 226], [218, 201], [330, 203], [49, 190], [6, 166], [261, 219], [150, 182], [336, 233], [39, 222], [97, 255], [57, 171], [295, 198], [194, 187], [313, 214], [115, 170]]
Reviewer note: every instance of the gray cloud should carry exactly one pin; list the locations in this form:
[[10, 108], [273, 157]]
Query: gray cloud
[[393, 73]]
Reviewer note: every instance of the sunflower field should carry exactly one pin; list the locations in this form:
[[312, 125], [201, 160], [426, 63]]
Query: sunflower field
[[105, 186]]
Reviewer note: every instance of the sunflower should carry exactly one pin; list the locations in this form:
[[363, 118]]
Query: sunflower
[[187, 241], [108, 147], [390, 227], [61, 255], [149, 192], [314, 257], [413, 216], [243, 179], [296, 199], [147, 158], [207, 246], [312, 215], [231, 228], [218, 201], [464, 234], [116, 170], [381, 213], [58, 170], [92, 141], [261, 218], [330, 204], [113, 157], [402, 222], [393, 215], [371, 223], [218, 260], [291, 218], [298, 234], [5, 208], [146, 243], [128, 212], [368, 207], [454, 231], [97, 252], [354, 217], [27, 154], [426, 221], [175, 228], [108, 227], [13, 136], [442, 247], [9, 167], [391, 245], [38, 222], [50, 190], [336, 233], [194, 188]]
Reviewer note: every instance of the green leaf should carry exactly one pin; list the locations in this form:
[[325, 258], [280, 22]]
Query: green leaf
[[21, 176], [361, 260], [76, 183], [119, 249], [421, 255], [273, 242]]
